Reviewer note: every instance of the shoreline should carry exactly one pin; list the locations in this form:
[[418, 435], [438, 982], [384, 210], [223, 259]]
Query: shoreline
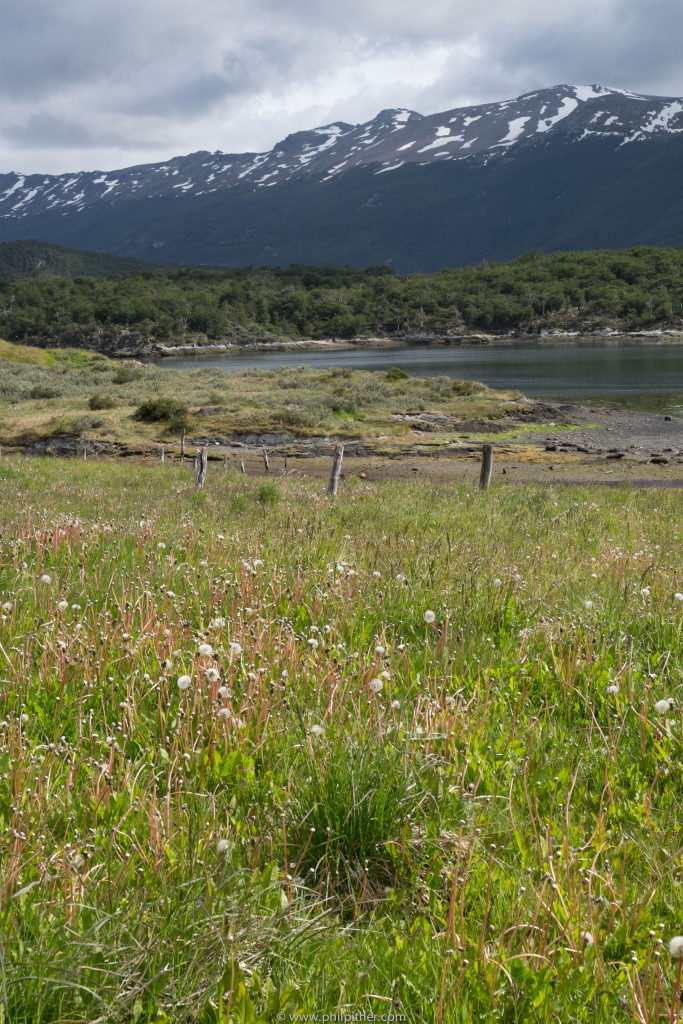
[[163, 352]]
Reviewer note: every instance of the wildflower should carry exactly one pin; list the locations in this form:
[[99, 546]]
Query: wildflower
[[46, 579], [645, 592], [677, 596], [662, 707], [62, 606], [380, 651], [170, 593], [395, 704], [613, 690], [75, 607], [429, 616], [161, 546], [257, 563], [224, 713], [213, 675], [222, 846], [224, 692], [313, 642], [588, 605], [219, 622], [385, 675], [206, 650], [316, 730], [676, 947], [184, 682], [235, 648], [376, 685]]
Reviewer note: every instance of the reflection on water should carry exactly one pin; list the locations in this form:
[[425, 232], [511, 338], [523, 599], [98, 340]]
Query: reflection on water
[[644, 375]]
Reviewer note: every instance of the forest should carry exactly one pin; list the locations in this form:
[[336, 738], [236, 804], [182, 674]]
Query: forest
[[633, 289]]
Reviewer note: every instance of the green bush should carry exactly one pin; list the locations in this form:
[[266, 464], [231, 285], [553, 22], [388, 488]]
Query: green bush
[[157, 410], [101, 402], [268, 493], [126, 374], [396, 373]]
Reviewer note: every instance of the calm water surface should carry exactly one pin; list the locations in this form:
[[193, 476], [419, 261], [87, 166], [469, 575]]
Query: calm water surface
[[646, 376]]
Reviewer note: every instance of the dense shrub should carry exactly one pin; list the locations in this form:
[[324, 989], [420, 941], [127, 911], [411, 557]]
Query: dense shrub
[[101, 402], [155, 410]]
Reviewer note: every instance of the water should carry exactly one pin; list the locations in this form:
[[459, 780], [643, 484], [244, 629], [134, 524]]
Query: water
[[635, 375]]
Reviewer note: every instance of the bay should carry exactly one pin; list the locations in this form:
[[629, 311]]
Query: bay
[[627, 374]]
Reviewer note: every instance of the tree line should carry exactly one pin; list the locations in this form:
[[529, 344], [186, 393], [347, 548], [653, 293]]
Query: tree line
[[630, 289]]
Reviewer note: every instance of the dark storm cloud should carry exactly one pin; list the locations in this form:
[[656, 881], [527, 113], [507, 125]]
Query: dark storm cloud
[[87, 83]]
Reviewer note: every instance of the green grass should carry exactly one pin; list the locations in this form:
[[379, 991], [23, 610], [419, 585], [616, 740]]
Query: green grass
[[496, 783]]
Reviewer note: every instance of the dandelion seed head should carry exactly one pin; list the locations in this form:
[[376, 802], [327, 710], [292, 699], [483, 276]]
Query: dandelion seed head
[[316, 730], [676, 947], [587, 938], [7, 606], [184, 682], [222, 846], [662, 707], [224, 692], [212, 675], [497, 583], [62, 606], [257, 563], [678, 596], [312, 642], [376, 685], [429, 616], [219, 622], [206, 650], [235, 648], [380, 650], [645, 592], [588, 605], [161, 546], [613, 690], [46, 579]]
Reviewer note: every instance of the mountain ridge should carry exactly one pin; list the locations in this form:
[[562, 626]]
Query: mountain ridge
[[561, 168]]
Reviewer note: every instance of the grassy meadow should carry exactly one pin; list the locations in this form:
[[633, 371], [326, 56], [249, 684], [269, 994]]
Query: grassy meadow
[[264, 754]]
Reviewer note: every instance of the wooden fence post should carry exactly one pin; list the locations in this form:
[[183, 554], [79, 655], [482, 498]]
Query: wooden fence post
[[486, 467], [200, 468], [225, 463], [336, 470], [162, 457], [182, 447], [85, 452], [265, 461], [242, 469]]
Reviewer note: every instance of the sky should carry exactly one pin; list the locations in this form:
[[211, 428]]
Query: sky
[[101, 85]]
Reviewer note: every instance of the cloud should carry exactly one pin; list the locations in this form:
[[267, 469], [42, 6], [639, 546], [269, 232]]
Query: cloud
[[92, 85]]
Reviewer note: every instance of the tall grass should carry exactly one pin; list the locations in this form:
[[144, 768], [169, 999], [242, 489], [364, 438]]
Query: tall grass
[[342, 806]]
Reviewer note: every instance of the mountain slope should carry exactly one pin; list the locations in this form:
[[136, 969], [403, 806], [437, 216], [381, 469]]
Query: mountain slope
[[573, 166], [24, 260]]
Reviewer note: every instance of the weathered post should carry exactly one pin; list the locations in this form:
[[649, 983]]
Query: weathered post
[[225, 463], [265, 461], [85, 452], [200, 468], [182, 447], [336, 470], [162, 456], [486, 467], [242, 469]]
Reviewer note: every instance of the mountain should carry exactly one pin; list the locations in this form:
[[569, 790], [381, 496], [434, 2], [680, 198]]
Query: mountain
[[23, 261], [561, 168]]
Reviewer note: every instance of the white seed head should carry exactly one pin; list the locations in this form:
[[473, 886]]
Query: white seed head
[[662, 707], [62, 606], [235, 648], [46, 579], [206, 650], [676, 947], [222, 846], [429, 616], [184, 682], [316, 730], [376, 685], [678, 596]]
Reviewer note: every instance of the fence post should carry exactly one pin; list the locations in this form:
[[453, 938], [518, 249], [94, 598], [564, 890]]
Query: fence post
[[242, 469], [225, 463], [200, 468], [336, 470], [265, 461], [85, 452], [182, 447], [162, 457], [486, 467]]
